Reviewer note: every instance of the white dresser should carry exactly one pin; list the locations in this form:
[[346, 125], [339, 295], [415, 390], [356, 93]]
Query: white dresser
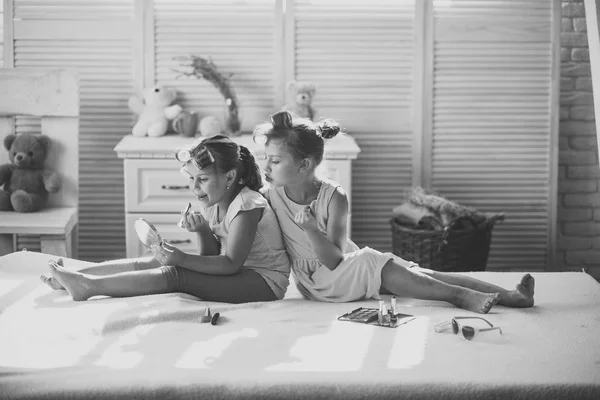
[[156, 190]]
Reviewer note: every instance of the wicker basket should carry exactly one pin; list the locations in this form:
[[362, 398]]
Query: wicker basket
[[452, 249]]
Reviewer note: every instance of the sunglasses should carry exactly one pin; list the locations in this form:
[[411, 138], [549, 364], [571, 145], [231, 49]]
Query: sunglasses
[[467, 331], [198, 154]]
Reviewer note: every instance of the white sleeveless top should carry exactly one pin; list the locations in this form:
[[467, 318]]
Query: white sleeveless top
[[267, 256]]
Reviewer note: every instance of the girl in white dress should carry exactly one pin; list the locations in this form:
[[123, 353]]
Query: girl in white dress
[[312, 213], [241, 255]]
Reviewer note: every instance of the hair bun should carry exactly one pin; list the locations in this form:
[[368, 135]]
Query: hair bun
[[329, 128], [282, 120]]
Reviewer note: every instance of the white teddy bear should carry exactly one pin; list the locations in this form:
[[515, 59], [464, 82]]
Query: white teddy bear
[[154, 111], [301, 96]]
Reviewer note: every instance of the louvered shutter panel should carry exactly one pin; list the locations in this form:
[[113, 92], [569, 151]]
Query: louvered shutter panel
[[95, 38], [492, 146], [1, 34], [239, 37], [360, 57]]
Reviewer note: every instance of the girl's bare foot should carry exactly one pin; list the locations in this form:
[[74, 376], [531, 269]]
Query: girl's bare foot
[[74, 282], [49, 280], [522, 296], [478, 302]]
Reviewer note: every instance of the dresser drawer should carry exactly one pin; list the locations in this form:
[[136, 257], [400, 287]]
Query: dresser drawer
[[155, 186], [166, 224]]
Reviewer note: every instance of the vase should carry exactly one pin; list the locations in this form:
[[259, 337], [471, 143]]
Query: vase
[[232, 121], [186, 124]]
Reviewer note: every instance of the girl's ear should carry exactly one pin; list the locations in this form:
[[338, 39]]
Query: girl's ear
[[305, 165], [230, 177]]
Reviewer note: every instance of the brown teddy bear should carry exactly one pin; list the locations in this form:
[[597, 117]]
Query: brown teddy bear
[[301, 94], [154, 111], [27, 183]]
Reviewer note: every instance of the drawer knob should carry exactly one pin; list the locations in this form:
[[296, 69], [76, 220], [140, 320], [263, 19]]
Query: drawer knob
[[179, 241], [174, 187]]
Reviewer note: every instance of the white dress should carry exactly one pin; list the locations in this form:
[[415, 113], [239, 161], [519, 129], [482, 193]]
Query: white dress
[[357, 277]]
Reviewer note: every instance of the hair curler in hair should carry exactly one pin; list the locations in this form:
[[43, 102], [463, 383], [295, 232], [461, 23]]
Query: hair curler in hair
[[329, 128]]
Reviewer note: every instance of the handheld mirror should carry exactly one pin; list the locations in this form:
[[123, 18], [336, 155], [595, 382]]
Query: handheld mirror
[[147, 233]]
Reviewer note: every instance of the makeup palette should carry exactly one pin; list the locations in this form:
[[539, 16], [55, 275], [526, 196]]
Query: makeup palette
[[371, 316]]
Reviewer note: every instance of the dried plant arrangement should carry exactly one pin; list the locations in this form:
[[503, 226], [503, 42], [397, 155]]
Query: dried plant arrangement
[[202, 68]]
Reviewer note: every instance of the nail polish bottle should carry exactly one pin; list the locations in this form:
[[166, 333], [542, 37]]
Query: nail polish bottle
[[393, 304], [380, 312], [207, 316], [385, 320]]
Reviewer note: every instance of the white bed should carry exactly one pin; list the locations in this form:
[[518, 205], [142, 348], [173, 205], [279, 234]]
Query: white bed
[[156, 347]]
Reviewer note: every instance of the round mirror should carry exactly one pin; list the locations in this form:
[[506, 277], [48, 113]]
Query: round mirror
[[147, 233]]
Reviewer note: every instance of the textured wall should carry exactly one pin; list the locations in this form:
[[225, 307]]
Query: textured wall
[[579, 172]]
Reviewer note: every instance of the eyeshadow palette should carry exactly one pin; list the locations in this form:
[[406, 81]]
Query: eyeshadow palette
[[370, 316]]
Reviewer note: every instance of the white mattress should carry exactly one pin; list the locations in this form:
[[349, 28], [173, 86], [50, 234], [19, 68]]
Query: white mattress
[[156, 347]]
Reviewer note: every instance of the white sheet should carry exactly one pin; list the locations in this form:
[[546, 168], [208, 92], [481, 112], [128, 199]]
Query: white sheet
[[155, 345]]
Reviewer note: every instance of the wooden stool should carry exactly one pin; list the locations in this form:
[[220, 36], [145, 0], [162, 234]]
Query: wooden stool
[[54, 225]]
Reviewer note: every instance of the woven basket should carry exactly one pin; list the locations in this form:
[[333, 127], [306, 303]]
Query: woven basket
[[452, 250]]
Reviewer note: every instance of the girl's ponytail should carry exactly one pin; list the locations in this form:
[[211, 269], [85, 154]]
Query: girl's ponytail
[[249, 170]]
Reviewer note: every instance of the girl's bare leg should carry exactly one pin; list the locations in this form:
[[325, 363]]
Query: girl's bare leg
[[409, 282], [520, 297], [243, 287], [125, 284], [104, 268]]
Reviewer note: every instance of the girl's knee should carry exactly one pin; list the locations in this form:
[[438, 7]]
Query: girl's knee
[[397, 269], [172, 277], [416, 268]]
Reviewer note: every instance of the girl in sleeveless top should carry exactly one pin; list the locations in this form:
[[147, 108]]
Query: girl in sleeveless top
[[327, 265], [241, 255]]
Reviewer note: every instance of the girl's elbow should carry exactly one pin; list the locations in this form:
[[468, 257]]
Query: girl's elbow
[[235, 268]]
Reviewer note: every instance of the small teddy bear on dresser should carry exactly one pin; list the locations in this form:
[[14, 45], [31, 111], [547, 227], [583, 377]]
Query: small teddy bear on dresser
[[301, 95]]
